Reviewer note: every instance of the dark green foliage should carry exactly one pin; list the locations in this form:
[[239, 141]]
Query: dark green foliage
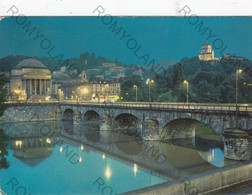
[[85, 61], [4, 164], [209, 82], [3, 93], [128, 91], [215, 81]]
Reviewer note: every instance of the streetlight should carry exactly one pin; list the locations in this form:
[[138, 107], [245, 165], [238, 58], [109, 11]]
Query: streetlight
[[238, 71], [148, 82], [136, 91], [187, 88]]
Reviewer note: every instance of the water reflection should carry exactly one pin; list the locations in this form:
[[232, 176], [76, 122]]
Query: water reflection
[[215, 156], [4, 164], [32, 151], [168, 159]]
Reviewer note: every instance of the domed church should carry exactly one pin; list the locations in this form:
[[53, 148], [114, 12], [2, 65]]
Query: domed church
[[31, 80]]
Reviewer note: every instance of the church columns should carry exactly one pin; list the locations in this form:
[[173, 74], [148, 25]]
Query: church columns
[[50, 87], [24, 85], [44, 86], [30, 88], [35, 85], [47, 86], [40, 86]]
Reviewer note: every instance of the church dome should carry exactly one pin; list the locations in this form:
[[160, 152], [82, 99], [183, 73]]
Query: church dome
[[30, 63]]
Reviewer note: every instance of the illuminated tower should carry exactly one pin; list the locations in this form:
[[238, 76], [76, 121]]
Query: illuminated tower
[[206, 52]]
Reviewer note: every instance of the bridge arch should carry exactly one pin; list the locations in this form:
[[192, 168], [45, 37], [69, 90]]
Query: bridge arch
[[68, 115], [180, 128], [126, 121], [91, 116]]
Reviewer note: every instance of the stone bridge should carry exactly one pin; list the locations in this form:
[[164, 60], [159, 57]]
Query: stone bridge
[[159, 121], [153, 121]]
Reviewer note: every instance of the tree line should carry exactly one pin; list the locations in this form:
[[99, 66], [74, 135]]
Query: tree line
[[209, 82]]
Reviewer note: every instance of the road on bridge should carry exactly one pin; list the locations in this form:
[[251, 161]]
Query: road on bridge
[[161, 106]]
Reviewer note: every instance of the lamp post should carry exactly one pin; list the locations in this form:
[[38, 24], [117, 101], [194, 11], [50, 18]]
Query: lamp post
[[238, 71], [136, 91], [187, 89], [148, 82]]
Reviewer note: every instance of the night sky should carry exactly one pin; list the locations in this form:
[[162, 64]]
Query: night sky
[[158, 38]]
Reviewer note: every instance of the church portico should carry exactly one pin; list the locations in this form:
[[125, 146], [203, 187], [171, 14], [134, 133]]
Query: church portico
[[31, 78], [36, 86]]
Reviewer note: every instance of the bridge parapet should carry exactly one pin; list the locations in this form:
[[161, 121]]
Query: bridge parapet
[[241, 108]]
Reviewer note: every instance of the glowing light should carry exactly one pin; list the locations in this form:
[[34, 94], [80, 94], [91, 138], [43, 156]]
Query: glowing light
[[239, 71], [80, 159], [149, 81], [48, 140], [108, 173], [0, 152], [185, 81], [40, 140], [19, 143], [103, 156], [135, 169], [82, 147], [61, 149], [85, 90]]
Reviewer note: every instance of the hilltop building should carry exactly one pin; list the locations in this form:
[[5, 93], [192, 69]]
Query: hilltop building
[[112, 71], [207, 54], [228, 56]]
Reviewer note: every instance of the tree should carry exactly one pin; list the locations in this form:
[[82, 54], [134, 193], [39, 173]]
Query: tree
[[178, 79], [4, 164], [3, 138], [167, 97], [128, 92], [3, 93]]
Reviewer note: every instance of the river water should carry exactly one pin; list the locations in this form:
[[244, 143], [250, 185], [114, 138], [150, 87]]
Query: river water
[[59, 158]]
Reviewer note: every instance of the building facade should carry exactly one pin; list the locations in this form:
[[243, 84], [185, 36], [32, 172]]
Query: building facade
[[97, 90], [30, 80], [206, 53]]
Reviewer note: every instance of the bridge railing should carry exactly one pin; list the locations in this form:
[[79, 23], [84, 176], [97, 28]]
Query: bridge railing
[[153, 105], [165, 106]]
